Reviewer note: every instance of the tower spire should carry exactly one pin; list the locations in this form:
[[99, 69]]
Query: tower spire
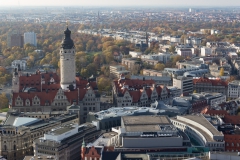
[[67, 22], [83, 143], [67, 42]]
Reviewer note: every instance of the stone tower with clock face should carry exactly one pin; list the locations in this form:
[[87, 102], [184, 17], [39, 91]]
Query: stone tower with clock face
[[67, 62]]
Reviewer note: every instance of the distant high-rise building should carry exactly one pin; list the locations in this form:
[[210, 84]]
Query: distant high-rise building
[[15, 39], [31, 38], [190, 10]]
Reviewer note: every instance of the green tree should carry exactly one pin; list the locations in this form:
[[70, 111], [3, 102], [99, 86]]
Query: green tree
[[221, 72], [3, 101], [172, 49], [108, 57], [104, 84], [159, 66]]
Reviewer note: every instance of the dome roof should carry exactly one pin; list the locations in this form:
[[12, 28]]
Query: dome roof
[[67, 42]]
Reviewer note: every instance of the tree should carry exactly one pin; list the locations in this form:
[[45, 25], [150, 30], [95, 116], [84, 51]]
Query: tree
[[194, 91], [221, 72], [159, 66], [104, 84], [172, 49], [84, 72], [89, 45], [135, 69], [108, 57], [3, 101]]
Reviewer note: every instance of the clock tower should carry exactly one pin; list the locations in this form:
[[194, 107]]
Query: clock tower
[[67, 62]]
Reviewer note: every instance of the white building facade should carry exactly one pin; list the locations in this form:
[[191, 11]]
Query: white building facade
[[205, 51], [19, 63], [31, 38], [135, 54], [234, 89]]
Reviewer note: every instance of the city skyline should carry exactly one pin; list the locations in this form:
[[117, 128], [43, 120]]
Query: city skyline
[[186, 3]]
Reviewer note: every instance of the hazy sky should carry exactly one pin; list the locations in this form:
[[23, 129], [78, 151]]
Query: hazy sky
[[120, 2]]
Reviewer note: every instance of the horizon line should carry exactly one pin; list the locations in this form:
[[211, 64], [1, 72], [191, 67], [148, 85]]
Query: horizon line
[[144, 6]]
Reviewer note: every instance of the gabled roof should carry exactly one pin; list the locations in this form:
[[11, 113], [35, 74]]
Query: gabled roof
[[43, 96], [135, 88], [213, 82]]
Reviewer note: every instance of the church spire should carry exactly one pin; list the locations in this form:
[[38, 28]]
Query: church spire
[[83, 144]]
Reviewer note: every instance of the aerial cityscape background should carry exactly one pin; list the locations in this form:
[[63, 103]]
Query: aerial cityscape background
[[155, 3], [120, 80]]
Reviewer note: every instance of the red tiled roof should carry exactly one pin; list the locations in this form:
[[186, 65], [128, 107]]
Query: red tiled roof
[[135, 96], [233, 119], [82, 83], [49, 96], [43, 96], [34, 80], [217, 112], [136, 83], [137, 86], [149, 92], [214, 82]]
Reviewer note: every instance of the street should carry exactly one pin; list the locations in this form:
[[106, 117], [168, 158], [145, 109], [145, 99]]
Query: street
[[3, 116]]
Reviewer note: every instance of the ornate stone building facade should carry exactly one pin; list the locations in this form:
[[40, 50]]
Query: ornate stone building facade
[[16, 142], [47, 92], [135, 92], [205, 84]]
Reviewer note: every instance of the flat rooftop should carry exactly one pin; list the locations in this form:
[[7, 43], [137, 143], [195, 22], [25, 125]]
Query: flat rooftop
[[62, 129], [146, 120], [147, 128], [124, 111], [103, 139], [39, 157], [135, 156]]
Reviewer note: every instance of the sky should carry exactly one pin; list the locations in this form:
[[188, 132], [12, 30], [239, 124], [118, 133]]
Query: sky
[[181, 3]]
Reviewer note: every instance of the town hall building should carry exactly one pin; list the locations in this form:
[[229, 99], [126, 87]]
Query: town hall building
[[47, 92]]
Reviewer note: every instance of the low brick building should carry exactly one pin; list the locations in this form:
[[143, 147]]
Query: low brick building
[[232, 142]]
